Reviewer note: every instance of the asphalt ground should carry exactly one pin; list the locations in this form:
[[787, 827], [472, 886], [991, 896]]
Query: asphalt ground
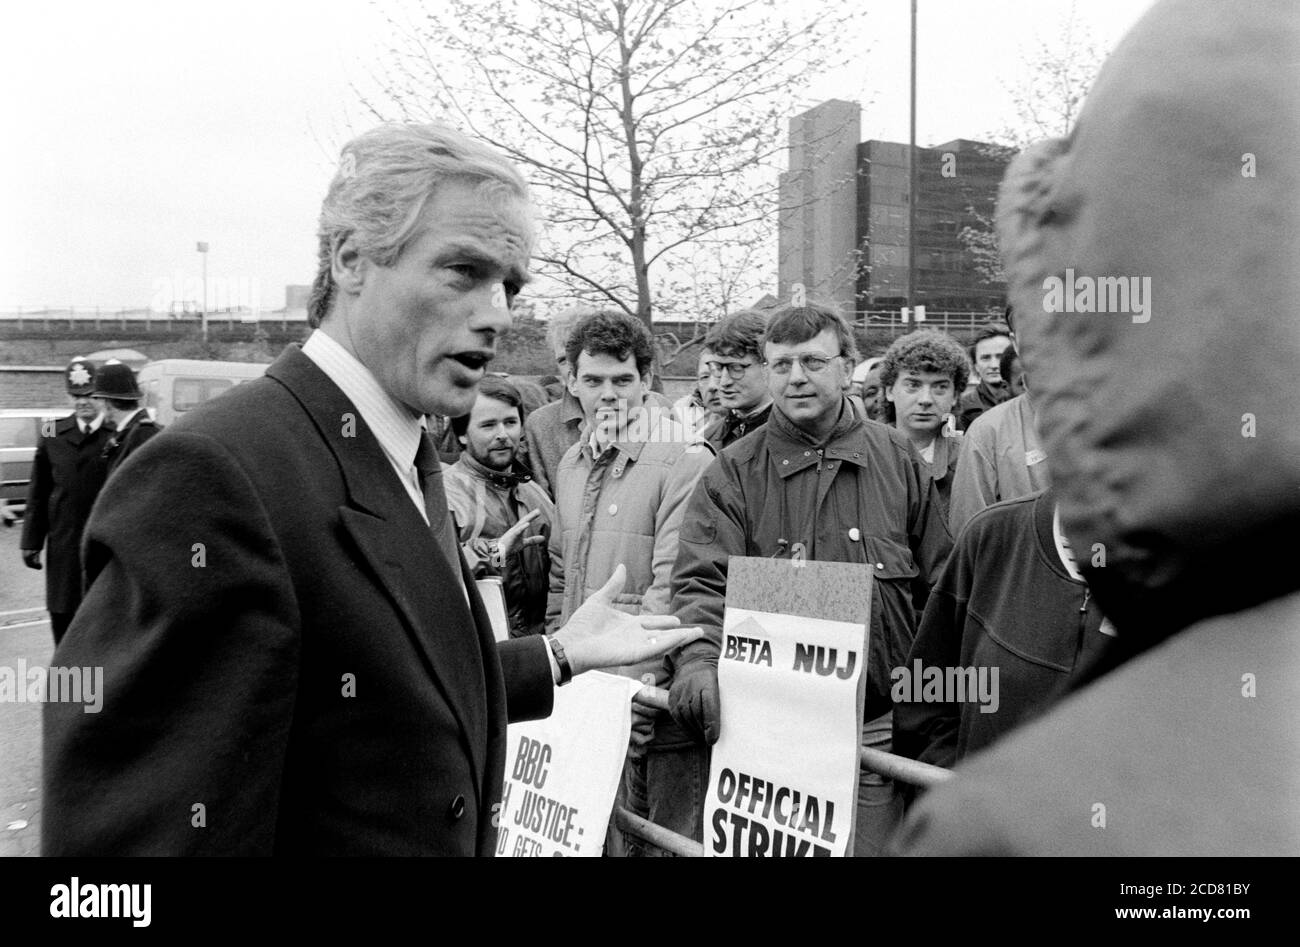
[[25, 641]]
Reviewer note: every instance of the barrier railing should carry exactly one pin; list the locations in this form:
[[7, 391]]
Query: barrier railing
[[898, 768]]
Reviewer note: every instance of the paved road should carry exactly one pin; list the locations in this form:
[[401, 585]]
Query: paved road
[[20, 587], [24, 637], [20, 742]]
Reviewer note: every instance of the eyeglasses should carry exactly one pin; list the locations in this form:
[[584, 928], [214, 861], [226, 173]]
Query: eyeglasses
[[735, 369], [811, 364]]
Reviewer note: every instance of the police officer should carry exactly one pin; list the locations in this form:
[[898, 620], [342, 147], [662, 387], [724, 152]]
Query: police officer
[[118, 394], [66, 476]]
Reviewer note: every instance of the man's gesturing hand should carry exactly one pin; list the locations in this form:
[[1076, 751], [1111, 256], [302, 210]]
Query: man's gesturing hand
[[508, 539], [693, 699], [598, 635]]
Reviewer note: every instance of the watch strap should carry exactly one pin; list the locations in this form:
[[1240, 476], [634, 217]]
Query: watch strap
[[566, 669]]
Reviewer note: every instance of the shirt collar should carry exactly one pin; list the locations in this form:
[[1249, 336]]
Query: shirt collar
[[121, 425], [753, 412], [1063, 549], [397, 428], [794, 450], [504, 479], [630, 449], [571, 408]]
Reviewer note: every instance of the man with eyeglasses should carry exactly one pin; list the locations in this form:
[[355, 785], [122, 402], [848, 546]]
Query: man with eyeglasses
[[818, 481], [738, 367]]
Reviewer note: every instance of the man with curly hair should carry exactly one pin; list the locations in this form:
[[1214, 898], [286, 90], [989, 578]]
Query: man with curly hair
[[922, 376], [620, 494]]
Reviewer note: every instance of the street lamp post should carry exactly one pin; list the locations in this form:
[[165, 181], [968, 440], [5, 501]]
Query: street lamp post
[[203, 306], [912, 295]]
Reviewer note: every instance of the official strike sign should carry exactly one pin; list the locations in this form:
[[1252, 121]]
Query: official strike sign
[[784, 777], [562, 772]]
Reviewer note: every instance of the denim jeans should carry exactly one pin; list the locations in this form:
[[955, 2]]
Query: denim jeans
[[880, 805], [667, 787]]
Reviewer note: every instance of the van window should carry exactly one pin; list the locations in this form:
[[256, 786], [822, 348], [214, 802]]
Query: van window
[[18, 432], [189, 393]]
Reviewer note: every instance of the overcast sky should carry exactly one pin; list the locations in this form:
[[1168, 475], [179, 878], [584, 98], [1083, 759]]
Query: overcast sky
[[135, 129]]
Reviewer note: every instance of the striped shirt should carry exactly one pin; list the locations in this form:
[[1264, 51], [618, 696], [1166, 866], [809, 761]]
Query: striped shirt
[[397, 428]]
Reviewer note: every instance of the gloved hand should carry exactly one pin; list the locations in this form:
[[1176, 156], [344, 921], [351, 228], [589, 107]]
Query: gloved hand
[[32, 558], [693, 699]]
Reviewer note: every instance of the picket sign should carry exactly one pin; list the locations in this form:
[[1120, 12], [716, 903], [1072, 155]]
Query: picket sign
[[492, 592], [783, 781], [562, 772]]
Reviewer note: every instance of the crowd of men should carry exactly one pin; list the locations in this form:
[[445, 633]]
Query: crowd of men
[[774, 448], [347, 501], [775, 451]]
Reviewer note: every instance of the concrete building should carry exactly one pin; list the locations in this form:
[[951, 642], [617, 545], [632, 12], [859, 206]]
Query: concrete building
[[844, 216]]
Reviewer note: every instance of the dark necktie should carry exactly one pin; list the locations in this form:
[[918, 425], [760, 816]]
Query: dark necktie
[[435, 501]]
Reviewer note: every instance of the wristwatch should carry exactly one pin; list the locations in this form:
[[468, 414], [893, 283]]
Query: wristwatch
[[566, 669], [495, 557]]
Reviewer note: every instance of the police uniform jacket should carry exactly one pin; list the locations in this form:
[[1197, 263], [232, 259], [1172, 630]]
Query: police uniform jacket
[[128, 439], [67, 474]]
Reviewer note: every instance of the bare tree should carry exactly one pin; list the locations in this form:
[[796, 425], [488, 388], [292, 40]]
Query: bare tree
[[650, 128], [1057, 75]]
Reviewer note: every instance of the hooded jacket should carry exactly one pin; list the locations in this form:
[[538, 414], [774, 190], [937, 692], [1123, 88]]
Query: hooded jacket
[[1172, 433]]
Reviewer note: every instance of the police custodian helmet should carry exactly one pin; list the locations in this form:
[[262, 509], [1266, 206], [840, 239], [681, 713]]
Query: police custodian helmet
[[80, 377], [116, 380]]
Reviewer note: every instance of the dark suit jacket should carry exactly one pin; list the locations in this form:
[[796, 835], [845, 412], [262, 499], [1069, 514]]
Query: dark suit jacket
[[67, 475], [128, 439], [289, 665]]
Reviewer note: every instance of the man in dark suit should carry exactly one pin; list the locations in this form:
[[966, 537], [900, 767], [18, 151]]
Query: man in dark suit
[[118, 395], [67, 474], [295, 658]]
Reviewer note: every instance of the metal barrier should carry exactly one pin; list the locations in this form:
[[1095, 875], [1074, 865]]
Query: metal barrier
[[898, 768]]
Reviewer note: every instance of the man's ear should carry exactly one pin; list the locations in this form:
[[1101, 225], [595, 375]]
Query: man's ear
[[349, 267], [572, 384]]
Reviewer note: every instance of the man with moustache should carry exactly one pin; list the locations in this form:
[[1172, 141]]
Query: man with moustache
[[296, 659], [503, 519], [67, 475]]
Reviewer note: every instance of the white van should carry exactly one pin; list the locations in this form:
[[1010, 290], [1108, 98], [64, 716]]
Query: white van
[[173, 386]]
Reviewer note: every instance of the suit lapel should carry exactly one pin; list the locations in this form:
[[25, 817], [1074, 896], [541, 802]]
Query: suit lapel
[[400, 549]]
